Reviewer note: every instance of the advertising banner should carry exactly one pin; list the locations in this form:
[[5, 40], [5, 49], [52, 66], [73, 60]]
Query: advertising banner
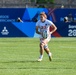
[[10, 27], [27, 29]]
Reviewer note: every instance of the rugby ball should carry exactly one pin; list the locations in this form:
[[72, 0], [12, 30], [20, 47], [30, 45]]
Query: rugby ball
[[44, 34]]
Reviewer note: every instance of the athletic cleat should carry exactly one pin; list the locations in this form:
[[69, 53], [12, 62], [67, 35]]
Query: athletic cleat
[[39, 59], [50, 58]]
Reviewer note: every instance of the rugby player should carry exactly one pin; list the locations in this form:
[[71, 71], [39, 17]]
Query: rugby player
[[44, 25]]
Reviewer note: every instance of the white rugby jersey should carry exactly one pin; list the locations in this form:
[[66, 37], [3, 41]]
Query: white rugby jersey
[[44, 26]]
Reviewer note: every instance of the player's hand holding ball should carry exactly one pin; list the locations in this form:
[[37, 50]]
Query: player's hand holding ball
[[44, 34]]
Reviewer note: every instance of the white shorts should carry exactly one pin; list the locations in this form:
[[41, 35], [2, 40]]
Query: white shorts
[[45, 41]]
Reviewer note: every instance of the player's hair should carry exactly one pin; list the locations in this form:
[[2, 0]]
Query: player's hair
[[43, 13]]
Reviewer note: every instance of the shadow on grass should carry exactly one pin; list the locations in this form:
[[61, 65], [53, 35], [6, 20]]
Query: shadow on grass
[[26, 61], [38, 67]]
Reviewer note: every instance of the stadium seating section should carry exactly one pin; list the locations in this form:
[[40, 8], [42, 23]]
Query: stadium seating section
[[37, 3]]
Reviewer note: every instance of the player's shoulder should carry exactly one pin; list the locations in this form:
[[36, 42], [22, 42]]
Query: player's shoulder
[[38, 21], [49, 22]]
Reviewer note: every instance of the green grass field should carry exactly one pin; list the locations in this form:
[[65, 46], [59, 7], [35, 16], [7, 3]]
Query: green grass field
[[18, 56]]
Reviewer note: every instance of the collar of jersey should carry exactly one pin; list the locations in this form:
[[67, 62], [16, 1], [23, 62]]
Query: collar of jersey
[[43, 21]]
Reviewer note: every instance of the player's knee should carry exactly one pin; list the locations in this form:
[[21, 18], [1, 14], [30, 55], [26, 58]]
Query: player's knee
[[45, 46], [41, 45]]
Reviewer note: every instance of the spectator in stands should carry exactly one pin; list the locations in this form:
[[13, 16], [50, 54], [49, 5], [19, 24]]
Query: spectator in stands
[[69, 18]]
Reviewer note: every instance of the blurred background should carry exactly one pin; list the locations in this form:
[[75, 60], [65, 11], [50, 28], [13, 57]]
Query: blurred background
[[27, 12], [38, 3]]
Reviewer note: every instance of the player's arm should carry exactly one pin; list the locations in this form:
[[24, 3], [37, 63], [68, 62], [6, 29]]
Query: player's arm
[[37, 31], [54, 28]]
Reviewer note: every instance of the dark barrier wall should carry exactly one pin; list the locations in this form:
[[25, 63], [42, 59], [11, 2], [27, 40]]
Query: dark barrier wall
[[32, 14], [9, 27], [27, 29], [16, 29]]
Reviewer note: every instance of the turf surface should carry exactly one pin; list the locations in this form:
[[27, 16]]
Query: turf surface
[[18, 56]]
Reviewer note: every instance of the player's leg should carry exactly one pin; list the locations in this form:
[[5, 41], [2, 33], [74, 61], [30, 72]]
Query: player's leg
[[48, 52], [47, 49], [41, 51]]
